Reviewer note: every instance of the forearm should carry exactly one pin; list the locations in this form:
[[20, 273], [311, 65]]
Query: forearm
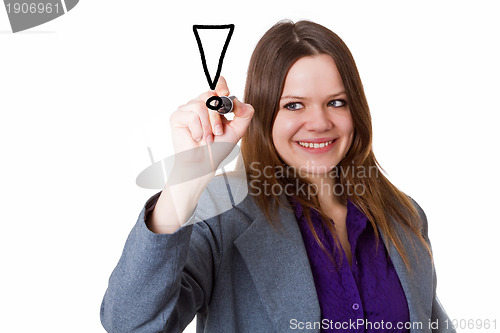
[[143, 287], [176, 205]]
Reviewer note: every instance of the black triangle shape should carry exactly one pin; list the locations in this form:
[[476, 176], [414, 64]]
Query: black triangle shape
[[213, 83]]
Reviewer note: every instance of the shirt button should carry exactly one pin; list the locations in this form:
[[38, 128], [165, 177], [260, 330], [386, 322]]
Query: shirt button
[[355, 306], [356, 262]]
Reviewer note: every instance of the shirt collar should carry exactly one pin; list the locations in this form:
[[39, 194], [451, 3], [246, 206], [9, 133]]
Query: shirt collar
[[355, 218]]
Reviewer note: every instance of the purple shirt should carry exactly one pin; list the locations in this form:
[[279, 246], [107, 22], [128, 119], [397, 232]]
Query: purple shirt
[[366, 297]]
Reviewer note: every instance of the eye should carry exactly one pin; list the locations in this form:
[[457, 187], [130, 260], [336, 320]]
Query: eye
[[337, 103], [293, 106]]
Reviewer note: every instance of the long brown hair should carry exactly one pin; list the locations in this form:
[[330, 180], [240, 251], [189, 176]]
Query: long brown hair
[[275, 53]]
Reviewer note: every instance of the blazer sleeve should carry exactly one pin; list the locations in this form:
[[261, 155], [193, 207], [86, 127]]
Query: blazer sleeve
[[161, 280], [439, 314]]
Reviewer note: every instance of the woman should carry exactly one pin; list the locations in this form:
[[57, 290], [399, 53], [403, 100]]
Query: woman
[[322, 242]]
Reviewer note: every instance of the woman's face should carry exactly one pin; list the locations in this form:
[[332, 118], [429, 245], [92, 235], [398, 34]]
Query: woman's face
[[313, 129]]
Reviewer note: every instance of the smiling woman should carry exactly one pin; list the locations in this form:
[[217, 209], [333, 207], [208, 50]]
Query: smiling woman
[[312, 70], [297, 250]]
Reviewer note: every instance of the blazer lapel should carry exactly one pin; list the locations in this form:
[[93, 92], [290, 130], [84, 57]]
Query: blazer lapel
[[279, 266], [417, 284]]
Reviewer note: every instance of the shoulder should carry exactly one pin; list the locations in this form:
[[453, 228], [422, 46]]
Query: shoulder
[[423, 225]]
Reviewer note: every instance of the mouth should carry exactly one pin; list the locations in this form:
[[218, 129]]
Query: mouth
[[315, 145]]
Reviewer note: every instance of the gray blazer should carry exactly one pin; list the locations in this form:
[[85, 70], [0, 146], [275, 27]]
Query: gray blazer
[[238, 274]]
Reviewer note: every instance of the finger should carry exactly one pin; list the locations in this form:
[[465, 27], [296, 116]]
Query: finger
[[221, 89], [243, 114], [215, 118], [199, 108], [191, 120], [195, 127], [216, 122]]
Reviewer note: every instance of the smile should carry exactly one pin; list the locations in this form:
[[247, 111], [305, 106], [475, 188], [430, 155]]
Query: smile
[[315, 144]]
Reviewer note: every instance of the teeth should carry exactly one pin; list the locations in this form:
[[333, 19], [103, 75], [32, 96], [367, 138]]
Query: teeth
[[314, 145]]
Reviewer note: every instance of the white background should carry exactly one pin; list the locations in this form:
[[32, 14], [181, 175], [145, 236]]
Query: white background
[[82, 97]]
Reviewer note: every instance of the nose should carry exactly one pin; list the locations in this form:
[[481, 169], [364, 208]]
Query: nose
[[317, 119]]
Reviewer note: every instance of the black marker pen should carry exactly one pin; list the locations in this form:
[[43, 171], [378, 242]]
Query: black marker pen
[[221, 104]]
